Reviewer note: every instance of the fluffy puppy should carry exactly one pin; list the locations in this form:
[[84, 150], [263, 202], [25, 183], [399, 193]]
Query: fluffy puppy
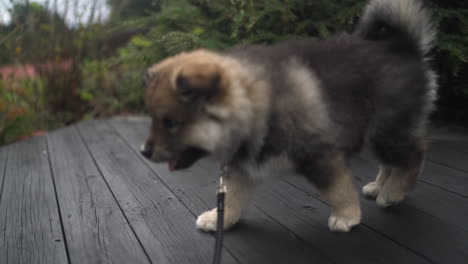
[[306, 106]]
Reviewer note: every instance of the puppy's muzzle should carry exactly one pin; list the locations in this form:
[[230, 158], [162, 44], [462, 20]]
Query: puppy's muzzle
[[146, 151]]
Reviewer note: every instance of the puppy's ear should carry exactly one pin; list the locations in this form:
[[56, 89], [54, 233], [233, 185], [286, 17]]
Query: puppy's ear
[[199, 81]]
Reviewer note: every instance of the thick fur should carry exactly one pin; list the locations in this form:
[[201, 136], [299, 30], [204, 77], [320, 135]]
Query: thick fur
[[307, 106]]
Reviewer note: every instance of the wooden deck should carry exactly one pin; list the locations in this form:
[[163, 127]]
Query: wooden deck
[[83, 194]]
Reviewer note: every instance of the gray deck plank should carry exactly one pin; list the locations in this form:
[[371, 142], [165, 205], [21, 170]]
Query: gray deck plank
[[3, 163], [84, 194], [162, 223], [459, 143], [310, 227], [257, 239], [437, 173], [453, 154], [29, 217], [307, 217], [95, 228], [407, 224], [430, 199], [447, 178]]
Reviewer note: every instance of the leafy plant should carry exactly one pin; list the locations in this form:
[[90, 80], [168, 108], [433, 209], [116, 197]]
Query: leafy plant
[[23, 109], [105, 62]]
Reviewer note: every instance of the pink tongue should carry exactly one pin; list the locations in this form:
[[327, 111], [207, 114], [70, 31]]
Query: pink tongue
[[172, 164]]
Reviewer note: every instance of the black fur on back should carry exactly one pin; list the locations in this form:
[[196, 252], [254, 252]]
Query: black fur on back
[[374, 84], [371, 92]]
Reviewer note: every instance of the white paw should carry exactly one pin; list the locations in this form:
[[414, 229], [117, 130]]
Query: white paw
[[389, 198], [371, 190], [207, 221], [342, 224]]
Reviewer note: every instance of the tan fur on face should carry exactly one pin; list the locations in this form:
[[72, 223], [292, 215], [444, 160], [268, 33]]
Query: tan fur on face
[[232, 106], [198, 67]]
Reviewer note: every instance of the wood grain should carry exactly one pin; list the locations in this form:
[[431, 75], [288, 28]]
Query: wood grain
[[29, 218], [96, 230], [259, 238], [84, 194], [287, 207], [163, 224]]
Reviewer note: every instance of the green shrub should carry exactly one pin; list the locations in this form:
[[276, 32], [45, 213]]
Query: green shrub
[[108, 60], [24, 109], [187, 24], [111, 88]]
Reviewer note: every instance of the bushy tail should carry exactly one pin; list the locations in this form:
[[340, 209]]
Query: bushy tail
[[405, 23]]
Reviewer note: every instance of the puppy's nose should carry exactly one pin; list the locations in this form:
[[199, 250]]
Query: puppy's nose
[[146, 152]]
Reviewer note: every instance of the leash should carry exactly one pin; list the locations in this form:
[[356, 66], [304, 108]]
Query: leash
[[221, 194]]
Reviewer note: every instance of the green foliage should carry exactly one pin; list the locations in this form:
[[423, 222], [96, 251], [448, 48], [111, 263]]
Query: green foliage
[[39, 46], [181, 25], [451, 60], [108, 60], [187, 24], [28, 21], [23, 109], [132, 8], [110, 88]]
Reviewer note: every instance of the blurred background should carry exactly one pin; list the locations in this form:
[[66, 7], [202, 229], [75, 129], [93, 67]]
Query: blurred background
[[62, 61]]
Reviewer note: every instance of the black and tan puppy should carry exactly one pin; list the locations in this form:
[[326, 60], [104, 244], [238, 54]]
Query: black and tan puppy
[[307, 106]]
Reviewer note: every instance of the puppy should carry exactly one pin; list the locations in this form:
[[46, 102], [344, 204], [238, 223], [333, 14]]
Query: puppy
[[306, 106]]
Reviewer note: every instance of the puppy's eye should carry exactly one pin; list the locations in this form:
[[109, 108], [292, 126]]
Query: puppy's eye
[[169, 123]]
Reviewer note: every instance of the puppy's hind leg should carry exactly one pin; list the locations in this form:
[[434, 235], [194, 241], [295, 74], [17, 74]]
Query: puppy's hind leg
[[402, 180], [240, 189], [372, 189], [404, 164]]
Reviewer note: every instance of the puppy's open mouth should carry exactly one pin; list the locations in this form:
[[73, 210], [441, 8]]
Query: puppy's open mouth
[[187, 158]]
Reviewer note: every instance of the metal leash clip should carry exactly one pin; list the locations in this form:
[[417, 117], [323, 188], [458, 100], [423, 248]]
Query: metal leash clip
[[221, 193], [221, 186]]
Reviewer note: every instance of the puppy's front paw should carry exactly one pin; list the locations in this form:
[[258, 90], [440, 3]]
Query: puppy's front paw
[[371, 190], [207, 221], [343, 222]]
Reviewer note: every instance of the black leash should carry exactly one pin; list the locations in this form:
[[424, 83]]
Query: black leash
[[220, 222]]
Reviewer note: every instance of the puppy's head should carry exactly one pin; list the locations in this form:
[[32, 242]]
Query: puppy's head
[[189, 98]]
